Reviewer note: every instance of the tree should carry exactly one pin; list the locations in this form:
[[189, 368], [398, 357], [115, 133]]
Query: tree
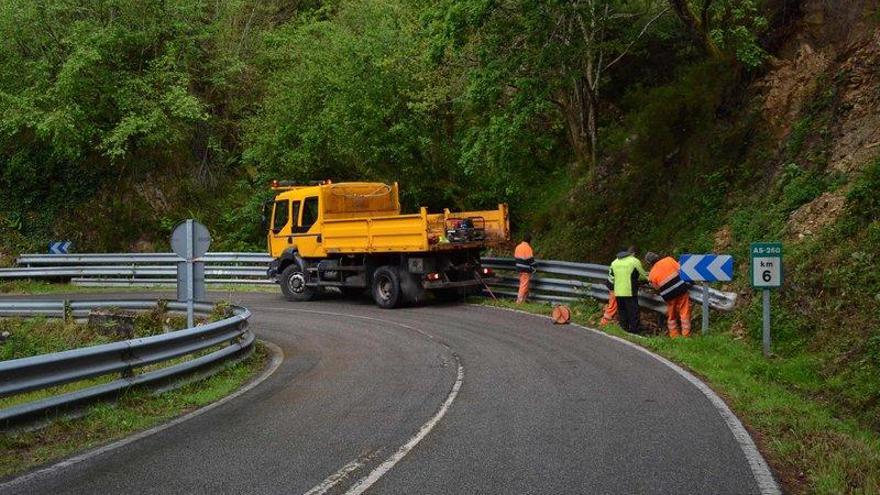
[[724, 28], [521, 53]]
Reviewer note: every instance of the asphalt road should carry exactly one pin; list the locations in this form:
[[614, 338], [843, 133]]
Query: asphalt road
[[539, 409]]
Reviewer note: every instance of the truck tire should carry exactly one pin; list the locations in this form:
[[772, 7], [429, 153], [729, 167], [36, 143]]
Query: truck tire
[[386, 287], [293, 284]]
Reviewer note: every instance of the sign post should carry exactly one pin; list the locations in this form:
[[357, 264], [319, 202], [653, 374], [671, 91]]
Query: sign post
[[706, 268], [190, 241], [765, 268]]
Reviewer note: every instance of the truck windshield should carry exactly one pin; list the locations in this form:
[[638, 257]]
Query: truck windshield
[[279, 220]]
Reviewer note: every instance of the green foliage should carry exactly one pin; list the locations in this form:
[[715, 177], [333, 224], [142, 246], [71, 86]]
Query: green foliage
[[738, 25], [800, 187], [863, 200]]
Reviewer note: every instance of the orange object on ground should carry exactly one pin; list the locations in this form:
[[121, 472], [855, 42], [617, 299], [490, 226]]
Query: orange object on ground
[[610, 312], [524, 278], [664, 276], [561, 315]]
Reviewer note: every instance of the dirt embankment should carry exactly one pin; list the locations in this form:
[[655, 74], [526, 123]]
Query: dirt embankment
[[834, 45]]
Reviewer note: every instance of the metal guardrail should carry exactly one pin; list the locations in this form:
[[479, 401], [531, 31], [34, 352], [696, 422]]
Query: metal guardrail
[[45, 371], [569, 281], [587, 280], [135, 258], [125, 269]]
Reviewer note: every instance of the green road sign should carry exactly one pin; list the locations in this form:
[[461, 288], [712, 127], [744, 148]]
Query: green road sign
[[765, 267]]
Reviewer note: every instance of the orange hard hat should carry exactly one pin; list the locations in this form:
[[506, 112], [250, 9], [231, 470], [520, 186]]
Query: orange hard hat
[[561, 314]]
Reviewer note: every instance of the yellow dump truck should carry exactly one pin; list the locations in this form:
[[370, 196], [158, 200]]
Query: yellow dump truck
[[352, 236]]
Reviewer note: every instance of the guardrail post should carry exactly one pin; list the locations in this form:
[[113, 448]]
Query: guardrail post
[[705, 308], [67, 312]]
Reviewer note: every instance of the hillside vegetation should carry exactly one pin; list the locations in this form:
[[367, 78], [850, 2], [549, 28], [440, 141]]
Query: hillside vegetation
[[678, 126]]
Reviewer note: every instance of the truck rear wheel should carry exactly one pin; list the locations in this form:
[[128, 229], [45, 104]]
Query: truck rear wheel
[[293, 284], [386, 287]]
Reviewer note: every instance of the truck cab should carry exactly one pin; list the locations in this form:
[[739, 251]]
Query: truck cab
[[353, 237]]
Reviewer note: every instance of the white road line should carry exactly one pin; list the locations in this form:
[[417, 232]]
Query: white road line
[[332, 480], [760, 470], [366, 482], [277, 358], [369, 480]]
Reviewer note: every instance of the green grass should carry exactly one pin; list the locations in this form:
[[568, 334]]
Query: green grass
[[135, 410], [810, 445]]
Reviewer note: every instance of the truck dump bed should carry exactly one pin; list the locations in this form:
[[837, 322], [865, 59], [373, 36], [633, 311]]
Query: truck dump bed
[[409, 233]]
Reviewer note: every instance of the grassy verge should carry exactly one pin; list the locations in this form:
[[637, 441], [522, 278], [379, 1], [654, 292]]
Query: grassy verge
[[135, 410], [812, 448]]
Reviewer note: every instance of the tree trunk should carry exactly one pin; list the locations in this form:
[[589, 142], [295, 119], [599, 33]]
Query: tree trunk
[[579, 106], [697, 27]]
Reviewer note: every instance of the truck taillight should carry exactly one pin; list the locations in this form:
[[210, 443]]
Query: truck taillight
[[432, 277], [486, 272]]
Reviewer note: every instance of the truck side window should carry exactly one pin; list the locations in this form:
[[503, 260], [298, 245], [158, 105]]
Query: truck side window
[[279, 219], [294, 224], [310, 213]]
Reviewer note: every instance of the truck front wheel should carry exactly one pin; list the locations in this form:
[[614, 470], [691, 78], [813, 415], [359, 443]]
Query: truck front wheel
[[386, 287], [293, 284]]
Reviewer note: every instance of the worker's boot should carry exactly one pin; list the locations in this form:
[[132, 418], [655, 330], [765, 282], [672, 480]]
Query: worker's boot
[[673, 332]]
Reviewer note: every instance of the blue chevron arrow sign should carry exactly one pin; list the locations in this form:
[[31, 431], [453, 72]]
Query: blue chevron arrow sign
[[59, 247], [706, 267]]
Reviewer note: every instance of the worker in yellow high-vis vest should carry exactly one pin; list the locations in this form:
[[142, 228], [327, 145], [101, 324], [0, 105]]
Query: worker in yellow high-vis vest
[[625, 273]]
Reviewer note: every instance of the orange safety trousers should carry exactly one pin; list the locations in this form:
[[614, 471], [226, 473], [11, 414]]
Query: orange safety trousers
[[524, 278], [679, 309], [610, 312]]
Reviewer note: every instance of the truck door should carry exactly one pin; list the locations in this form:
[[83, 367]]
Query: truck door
[[279, 230], [307, 232]]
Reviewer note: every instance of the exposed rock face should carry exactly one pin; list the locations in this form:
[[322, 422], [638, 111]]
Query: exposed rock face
[[814, 216], [857, 130], [789, 84], [723, 239], [836, 46]]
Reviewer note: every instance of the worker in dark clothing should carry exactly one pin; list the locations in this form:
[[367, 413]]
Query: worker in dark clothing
[[625, 273]]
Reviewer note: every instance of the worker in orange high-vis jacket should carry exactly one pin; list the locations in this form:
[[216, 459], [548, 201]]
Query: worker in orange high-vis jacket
[[665, 278], [525, 265], [609, 312]]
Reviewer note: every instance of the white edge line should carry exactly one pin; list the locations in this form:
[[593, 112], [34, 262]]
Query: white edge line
[[369, 480], [366, 482], [760, 470], [335, 478], [276, 359]]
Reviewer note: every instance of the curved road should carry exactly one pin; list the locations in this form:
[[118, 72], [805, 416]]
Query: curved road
[[479, 400]]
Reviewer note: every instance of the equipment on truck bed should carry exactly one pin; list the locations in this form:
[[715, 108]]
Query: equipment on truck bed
[[352, 236], [471, 229]]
